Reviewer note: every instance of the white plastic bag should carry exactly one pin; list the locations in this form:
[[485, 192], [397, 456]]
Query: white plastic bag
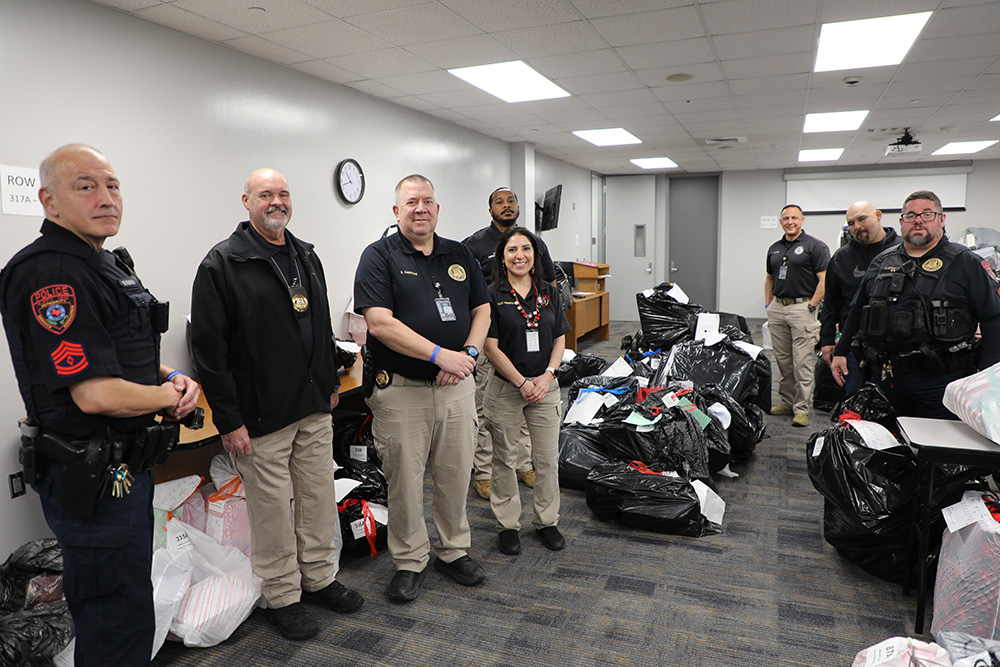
[[902, 652], [222, 589], [976, 401]]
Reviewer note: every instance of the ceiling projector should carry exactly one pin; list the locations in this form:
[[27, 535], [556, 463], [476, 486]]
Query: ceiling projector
[[905, 144]]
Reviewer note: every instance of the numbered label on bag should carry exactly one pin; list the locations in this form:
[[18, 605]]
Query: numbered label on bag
[[359, 453], [358, 529]]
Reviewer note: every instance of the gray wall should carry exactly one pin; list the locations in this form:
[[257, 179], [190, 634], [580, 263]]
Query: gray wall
[[184, 122]]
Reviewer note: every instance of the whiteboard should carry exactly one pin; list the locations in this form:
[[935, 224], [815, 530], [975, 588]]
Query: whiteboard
[[833, 193]]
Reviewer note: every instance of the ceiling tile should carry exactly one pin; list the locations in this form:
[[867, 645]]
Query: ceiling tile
[[174, 17], [622, 97], [748, 68], [513, 14], [769, 84], [376, 89], [328, 72], [743, 15], [765, 42], [382, 63], [950, 48], [325, 40], [438, 81], [551, 40], [943, 69], [237, 14], [413, 25], [964, 21], [463, 52], [347, 8], [598, 8], [262, 48], [667, 54], [127, 5], [850, 10], [601, 83], [700, 73], [692, 91], [578, 64], [649, 27]]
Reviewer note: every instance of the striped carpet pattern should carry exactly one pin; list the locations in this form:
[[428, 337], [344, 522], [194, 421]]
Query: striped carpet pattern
[[768, 591]]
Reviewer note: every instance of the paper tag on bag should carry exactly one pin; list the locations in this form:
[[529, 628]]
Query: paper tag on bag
[[358, 529], [967, 511], [359, 453], [885, 651]]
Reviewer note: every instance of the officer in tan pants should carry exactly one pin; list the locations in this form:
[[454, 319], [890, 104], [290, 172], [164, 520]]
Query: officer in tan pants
[[425, 303]]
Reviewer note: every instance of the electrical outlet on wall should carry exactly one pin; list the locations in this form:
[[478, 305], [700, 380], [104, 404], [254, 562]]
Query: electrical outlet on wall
[[16, 484]]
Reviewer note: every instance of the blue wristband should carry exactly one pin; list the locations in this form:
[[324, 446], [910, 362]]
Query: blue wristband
[[437, 348], [173, 373]]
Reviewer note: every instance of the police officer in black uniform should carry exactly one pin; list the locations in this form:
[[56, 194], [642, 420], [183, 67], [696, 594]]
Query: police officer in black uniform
[[84, 338], [916, 311], [428, 312], [504, 213]]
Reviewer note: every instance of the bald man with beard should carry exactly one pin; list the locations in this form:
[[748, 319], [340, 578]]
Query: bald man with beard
[[843, 275]]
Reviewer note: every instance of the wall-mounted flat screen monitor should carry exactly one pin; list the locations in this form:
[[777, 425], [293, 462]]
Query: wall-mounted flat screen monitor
[[550, 210]]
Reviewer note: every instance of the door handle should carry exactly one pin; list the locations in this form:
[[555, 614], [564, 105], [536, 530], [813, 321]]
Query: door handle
[[673, 267], [649, 269]]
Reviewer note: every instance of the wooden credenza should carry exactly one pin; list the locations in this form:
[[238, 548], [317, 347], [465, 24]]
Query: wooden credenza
[[589, 315]]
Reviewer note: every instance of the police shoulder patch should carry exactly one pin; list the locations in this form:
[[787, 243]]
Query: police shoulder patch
[[989, 271], [54, 307], [456, 272], [69, 358]]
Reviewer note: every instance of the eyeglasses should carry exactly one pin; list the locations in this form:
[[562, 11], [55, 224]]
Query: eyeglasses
[[926, 216]]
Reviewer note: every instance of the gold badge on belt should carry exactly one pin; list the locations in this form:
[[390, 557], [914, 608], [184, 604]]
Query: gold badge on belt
[[933, 264], [382, 379]]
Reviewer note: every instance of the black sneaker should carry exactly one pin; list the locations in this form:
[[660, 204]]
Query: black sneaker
[[337, 597], [294, 622], [464, 570], [509, 543], [405, 586], [552, 538]]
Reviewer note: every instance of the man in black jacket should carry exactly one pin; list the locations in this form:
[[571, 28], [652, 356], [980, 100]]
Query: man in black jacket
[[264, 348], [843, 275]]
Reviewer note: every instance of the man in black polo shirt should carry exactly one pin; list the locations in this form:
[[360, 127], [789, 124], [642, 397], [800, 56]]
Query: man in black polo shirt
[[793, 288], [504, 212], [427, 311], [916, 312], [843, 275]]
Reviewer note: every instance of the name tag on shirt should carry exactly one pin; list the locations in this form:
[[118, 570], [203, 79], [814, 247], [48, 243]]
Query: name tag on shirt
[[532, 340], [445, 309]]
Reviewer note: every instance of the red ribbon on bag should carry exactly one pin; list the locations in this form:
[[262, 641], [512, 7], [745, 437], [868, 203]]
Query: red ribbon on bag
[[848, 416], [369, 520]]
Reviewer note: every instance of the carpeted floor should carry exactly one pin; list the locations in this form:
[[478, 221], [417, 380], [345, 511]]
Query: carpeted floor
[[768, 591]]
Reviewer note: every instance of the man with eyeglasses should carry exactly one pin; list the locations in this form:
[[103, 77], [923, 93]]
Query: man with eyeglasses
[[843, 275], [915, 314]]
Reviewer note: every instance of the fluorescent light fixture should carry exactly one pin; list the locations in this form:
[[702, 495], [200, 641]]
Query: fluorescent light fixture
[[612, 136], [511, 81], [963, 147], [834, 121], [997, 117], [654, 162], [820, 154], [868, 42]]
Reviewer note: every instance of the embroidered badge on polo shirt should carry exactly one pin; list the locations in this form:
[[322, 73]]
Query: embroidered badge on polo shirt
[[799, 250], [54, 307], [456, 272], [69, 358]]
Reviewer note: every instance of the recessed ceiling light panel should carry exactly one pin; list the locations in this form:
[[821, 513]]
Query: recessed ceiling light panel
[[612, 136], [654, 162], [834, 121], [997, 117], [868, 42], [820, 154], [963, 147], [512, 81]]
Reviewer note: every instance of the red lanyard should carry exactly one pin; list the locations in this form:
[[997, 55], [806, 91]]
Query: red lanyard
[[536, 316]]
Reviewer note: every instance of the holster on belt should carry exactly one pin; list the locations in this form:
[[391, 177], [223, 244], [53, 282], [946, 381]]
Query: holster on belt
[[153, 444], [82, 479]]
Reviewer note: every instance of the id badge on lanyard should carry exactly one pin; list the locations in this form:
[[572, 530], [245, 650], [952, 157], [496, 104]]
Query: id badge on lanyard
[[531, 337], [783, 271], [445, 309]]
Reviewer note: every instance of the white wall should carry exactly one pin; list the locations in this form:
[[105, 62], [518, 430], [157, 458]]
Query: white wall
[[184, 122], [570, 241], [747, 195]]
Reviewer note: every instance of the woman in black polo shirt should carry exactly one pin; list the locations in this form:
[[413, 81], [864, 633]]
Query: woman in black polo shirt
[[525, 346]]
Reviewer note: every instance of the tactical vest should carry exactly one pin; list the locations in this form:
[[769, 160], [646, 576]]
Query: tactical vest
[[135, 332], [909, 305]]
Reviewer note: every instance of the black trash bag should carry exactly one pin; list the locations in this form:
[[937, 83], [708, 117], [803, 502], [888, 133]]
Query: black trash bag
[[353, 441], [638, 344], [634, 496], [28, 560], [363, 535], [676, 442], [580, 449], [374, 488], [723, 364], [735, 326], [746, 426], [871, 405], [645, 364], [869, 500], [625, 388], [35, 636], [693, 406], [664, 320], [827, 392], [582, 365]]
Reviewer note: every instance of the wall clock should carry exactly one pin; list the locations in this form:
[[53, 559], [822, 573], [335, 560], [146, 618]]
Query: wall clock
[[350, 181]]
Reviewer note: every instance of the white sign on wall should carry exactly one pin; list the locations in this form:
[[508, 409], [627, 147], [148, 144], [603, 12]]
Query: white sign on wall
[[768, 222], [19, 188]]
